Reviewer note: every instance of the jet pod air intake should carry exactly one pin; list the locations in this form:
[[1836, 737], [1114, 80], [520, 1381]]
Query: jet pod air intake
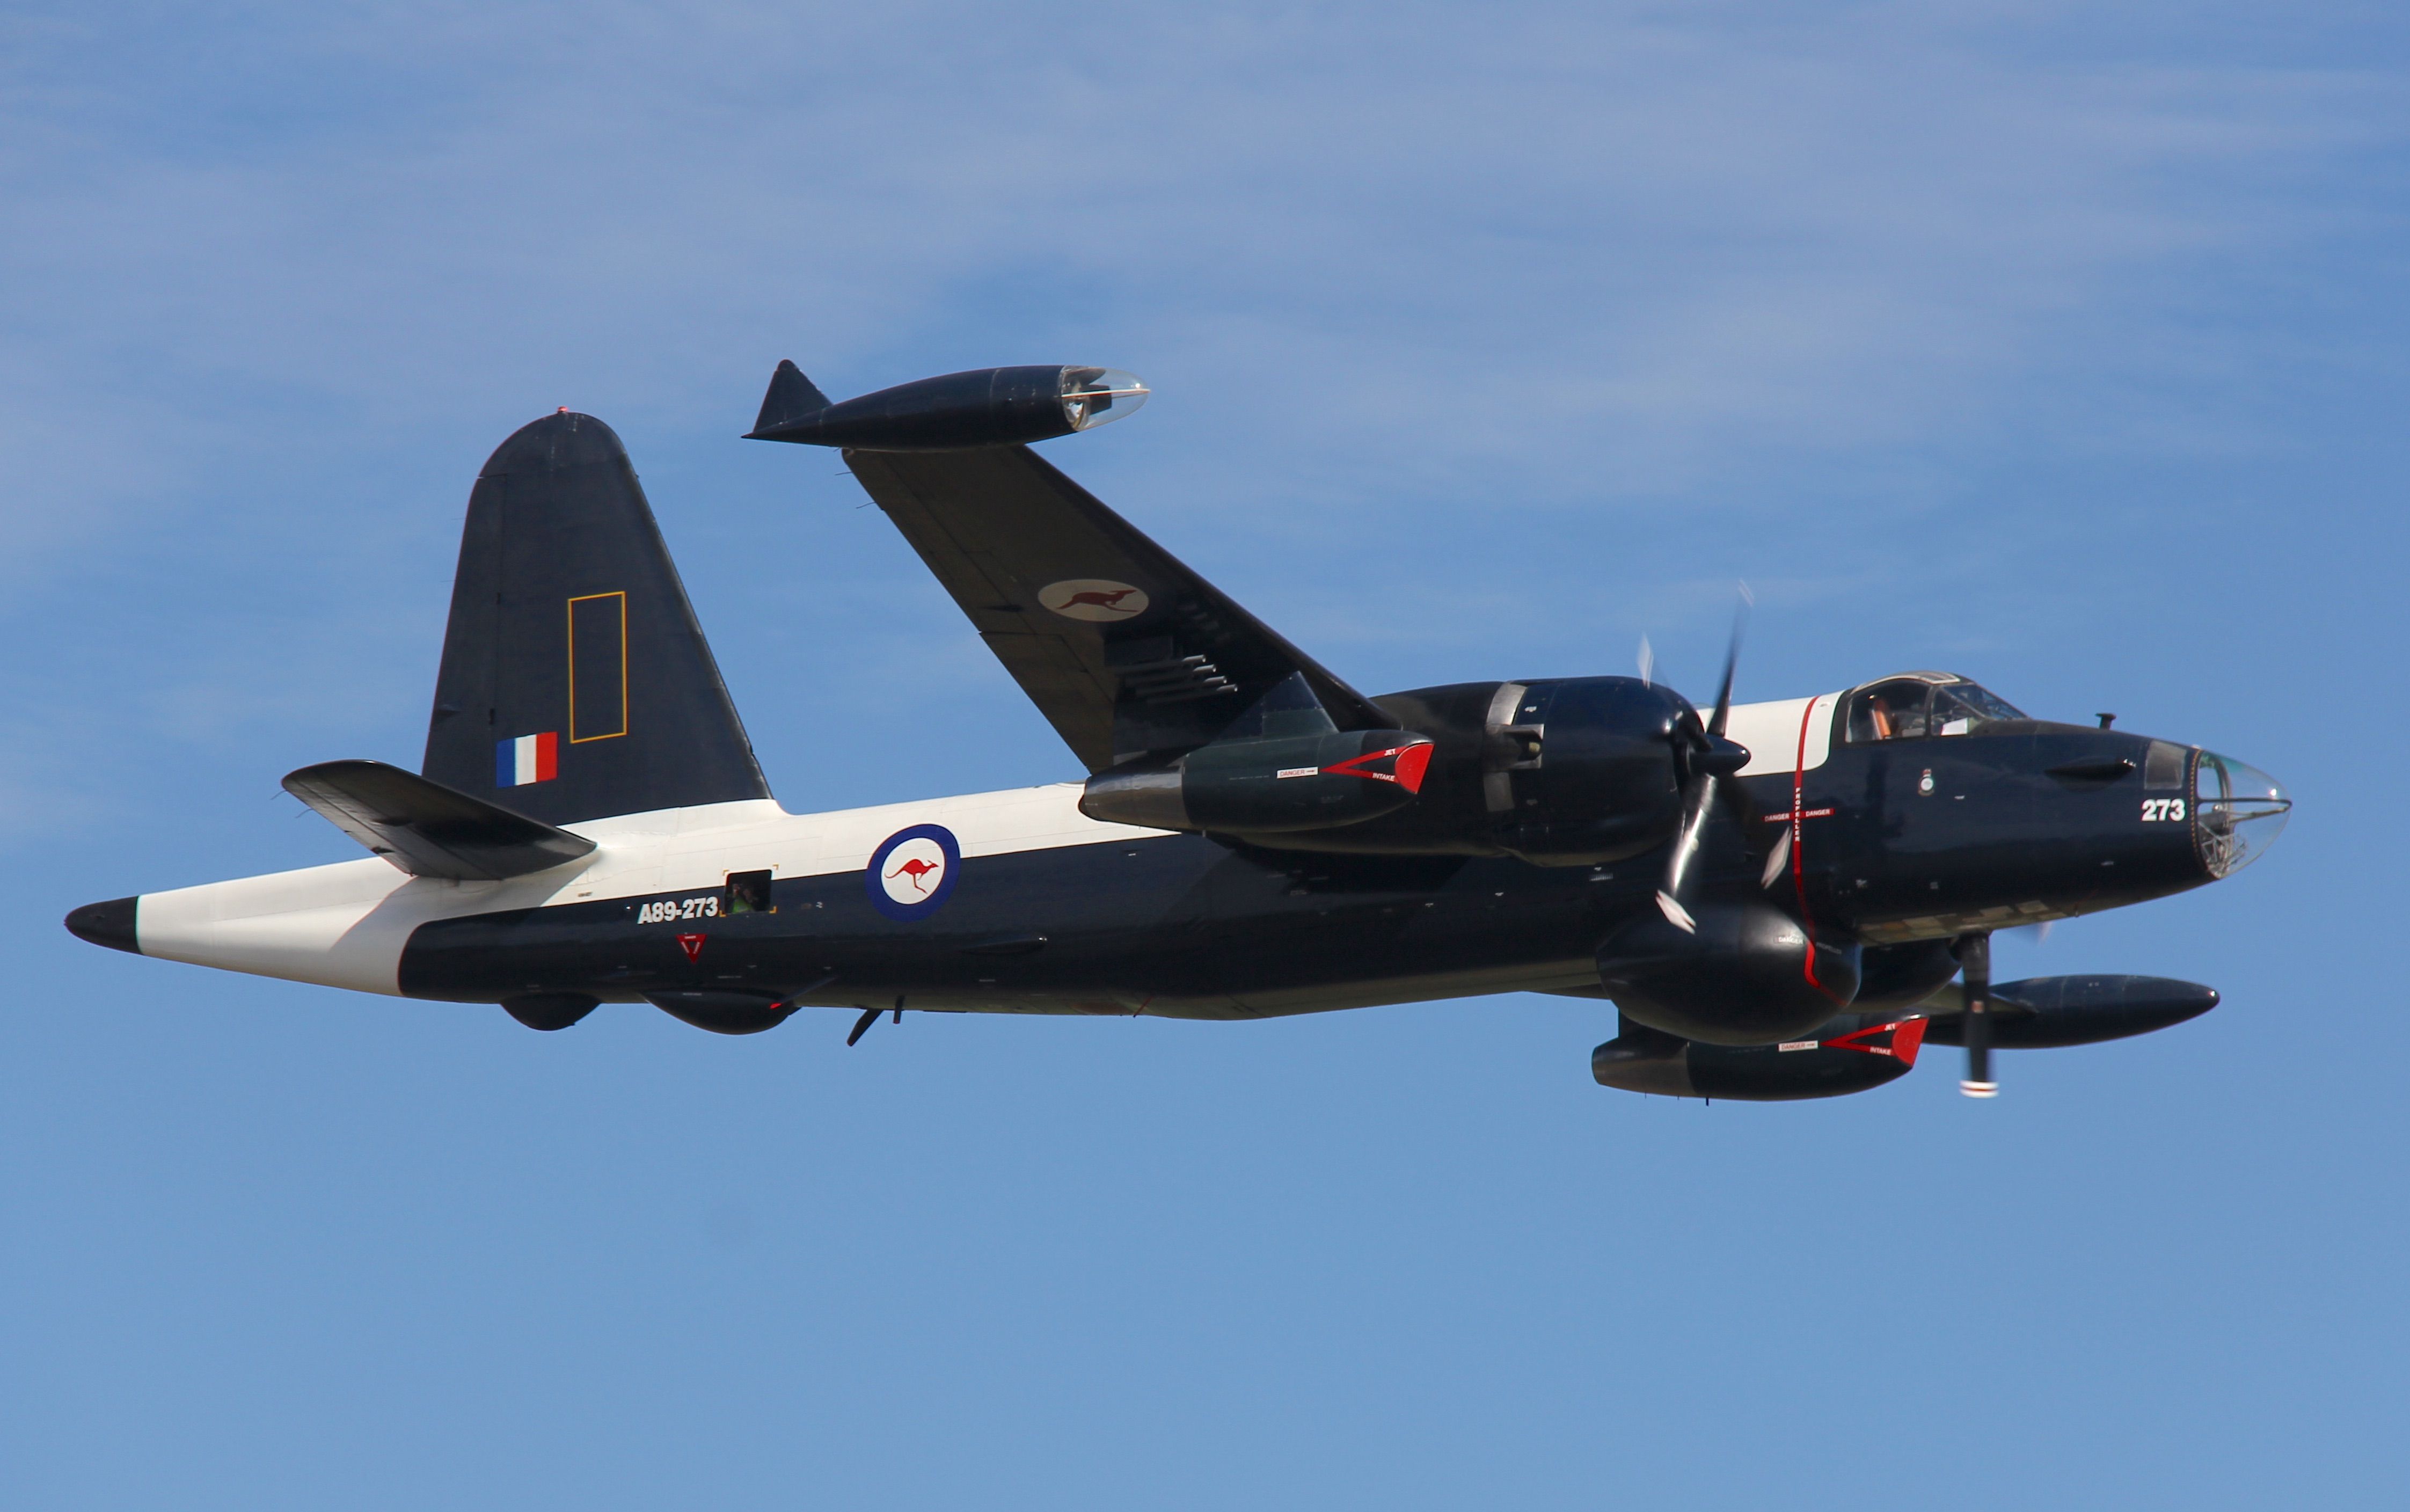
[[987, 407]]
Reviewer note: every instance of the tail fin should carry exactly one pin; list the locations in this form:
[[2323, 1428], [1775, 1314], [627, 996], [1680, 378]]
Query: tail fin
[[575, 682], [790, 397]]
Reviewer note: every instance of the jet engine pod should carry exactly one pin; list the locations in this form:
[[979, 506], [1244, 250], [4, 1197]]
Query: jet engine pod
[[1748, 975], [1850, 1054], [1268, 787], [722, 1013], [988, 407]]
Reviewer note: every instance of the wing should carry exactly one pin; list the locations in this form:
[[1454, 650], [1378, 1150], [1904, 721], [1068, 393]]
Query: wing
[[1122, 647]]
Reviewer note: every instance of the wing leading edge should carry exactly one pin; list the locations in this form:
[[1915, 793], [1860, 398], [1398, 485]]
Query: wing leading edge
[[1124, 647]]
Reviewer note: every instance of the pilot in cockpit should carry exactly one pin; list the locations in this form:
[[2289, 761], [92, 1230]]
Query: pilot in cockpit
[[1908, 708]]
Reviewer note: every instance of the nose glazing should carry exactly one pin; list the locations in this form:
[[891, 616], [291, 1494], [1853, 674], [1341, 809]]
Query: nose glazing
[[2237, 810]]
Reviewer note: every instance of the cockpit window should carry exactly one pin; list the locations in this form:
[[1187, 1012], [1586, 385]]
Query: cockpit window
[[1892, 710], [1910, 708], [1963, 708]]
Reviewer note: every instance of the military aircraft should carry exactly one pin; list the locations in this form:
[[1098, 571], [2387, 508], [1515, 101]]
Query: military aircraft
[[1782, 899]]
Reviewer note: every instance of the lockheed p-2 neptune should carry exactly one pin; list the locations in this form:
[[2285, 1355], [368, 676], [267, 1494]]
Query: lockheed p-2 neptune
[[1781, 899]]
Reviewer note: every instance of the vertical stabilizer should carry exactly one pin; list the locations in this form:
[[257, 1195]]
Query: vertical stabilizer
[[792, 397], [575, 682]]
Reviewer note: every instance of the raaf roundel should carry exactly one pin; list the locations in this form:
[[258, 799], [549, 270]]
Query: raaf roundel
[[1781, 899]]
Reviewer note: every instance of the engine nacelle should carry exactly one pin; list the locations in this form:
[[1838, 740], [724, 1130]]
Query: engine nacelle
[[990, 407], [1582, 769], [1850, 1054], [1750, 975], [1268, 787], [1902, 976]]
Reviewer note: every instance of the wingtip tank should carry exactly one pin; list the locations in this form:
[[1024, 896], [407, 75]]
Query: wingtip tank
[[984, 407]]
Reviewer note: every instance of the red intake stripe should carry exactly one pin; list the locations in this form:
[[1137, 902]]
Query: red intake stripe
[[1412, 761]]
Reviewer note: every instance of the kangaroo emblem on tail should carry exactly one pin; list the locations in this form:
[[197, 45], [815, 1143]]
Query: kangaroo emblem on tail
[[1096, 600]]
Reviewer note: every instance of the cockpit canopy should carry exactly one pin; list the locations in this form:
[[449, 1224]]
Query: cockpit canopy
[[1918, 704]]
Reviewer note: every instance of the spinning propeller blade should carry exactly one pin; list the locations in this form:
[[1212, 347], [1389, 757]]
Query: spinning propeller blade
[[1708, 761]]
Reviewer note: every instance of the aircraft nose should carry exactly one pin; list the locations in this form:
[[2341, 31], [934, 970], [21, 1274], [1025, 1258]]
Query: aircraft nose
[[2238, 812], [109, 923]]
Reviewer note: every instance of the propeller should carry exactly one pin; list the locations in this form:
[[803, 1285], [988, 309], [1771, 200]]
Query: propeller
[[1975, 964], [1710, 764]]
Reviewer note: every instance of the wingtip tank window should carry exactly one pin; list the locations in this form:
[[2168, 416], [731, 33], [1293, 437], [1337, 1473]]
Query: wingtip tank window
[[1098, 396]]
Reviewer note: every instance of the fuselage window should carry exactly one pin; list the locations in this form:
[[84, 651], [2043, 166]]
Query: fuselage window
[[748, 891]]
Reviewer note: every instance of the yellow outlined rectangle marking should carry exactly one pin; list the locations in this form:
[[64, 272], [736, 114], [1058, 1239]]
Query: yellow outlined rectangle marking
[[598, 709]]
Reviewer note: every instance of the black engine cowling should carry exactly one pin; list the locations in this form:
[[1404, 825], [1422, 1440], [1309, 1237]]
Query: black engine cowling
[[1591, 776], [1750, 975], [1577, 771], [1902, 976]]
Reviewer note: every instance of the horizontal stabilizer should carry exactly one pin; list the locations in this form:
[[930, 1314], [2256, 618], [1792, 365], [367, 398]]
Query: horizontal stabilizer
[[427, 829], [792, 397]]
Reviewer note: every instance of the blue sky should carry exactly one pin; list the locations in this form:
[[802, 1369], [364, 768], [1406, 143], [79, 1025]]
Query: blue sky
[[2060, 345]]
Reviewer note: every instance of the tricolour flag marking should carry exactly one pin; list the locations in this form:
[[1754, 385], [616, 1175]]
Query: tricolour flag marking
[[527, 759]]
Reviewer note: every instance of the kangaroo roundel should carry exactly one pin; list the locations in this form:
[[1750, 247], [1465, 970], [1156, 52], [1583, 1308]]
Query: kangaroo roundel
[[912, 871], [1096, 600]]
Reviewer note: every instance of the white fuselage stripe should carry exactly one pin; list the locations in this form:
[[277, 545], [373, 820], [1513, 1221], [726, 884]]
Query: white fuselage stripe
[[345, 924]]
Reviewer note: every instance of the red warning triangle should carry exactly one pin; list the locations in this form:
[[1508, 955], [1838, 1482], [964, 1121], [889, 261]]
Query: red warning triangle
[[692, 945]]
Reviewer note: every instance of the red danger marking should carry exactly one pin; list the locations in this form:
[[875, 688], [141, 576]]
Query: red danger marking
[[1407, 771], [692, 945], [1905, 1035]]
